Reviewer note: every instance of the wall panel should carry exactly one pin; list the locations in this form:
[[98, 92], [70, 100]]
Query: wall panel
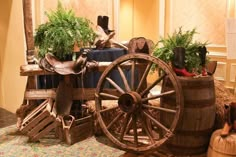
[[208, 17], [86, 8], [139, 19]]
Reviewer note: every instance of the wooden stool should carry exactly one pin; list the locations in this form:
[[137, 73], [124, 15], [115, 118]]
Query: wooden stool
[[222, 146]]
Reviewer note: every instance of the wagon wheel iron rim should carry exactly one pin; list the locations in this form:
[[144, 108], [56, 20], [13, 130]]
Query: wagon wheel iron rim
[[132, 123]]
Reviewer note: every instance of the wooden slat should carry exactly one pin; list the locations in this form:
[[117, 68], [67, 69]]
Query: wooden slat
[[28, 26], [28, 29], [36, 110], [84, 94], [78, 93], [45, 131], [34, 69], [34, 94], [40, 124]]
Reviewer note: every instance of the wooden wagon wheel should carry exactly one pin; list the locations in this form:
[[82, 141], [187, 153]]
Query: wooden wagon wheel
[[133, 122]]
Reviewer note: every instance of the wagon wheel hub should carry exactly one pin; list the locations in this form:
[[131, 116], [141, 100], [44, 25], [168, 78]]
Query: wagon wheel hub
[[129, 102]]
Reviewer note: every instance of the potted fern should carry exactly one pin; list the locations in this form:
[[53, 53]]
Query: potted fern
[[165, 47], [62, 32]]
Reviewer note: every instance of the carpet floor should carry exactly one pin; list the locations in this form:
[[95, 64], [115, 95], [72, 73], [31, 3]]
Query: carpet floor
[[14, 144]]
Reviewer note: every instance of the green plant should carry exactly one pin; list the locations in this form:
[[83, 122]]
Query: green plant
[[61, 32], [164, 48]]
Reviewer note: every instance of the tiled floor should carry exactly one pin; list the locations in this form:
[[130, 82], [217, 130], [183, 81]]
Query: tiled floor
[[6, 118]]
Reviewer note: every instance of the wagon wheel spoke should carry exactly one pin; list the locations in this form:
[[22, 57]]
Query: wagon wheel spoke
[[108, 109], [129, 126], [115, 120], [106, 95], [115, 85], [156, 122], [152, 85], [159, 108], [145, 127], [159, 95], [123, 129], [125, 81], [132, 74], [144, 77], [135, 128]]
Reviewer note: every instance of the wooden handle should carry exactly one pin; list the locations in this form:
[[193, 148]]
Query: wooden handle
[[67, 125], [28, 26]]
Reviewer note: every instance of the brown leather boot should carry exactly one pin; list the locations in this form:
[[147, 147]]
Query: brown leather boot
[[233, 114], [234, 125], [202, 54], [105, 25], [100, 21], [179, 64], [226, 129], [227, 118]]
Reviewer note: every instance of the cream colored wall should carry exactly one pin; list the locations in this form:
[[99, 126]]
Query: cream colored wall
[[89, 9], [125, 20], [209, 18], [12, 51], [137, 19]]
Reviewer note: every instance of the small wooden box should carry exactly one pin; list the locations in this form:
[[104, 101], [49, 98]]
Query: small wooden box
[[40, 121], [73, 130]]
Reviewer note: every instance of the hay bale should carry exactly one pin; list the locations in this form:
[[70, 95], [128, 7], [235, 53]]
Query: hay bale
[[223, 96], [106, 115]]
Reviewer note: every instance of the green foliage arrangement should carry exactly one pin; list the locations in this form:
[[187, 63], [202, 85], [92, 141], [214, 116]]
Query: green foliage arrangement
[[61, 32], [164, 48]]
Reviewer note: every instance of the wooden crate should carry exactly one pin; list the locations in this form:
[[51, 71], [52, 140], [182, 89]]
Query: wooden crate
[[73, 130], [40, 121]]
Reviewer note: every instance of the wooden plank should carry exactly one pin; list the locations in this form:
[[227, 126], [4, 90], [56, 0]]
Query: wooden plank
[[34, 121], [45, 131], [32, 114], [35, 94], [79, 132], [78, 93], [84, 94], [34, 69], [28, 27], [40, 125]]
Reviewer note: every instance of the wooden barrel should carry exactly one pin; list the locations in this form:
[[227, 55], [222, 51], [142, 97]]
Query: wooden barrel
[[194, 130], [222, 147]]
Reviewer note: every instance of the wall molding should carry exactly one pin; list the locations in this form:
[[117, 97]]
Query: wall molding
[[220, 73]]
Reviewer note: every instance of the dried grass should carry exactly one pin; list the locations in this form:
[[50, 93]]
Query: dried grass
[[223, 96]]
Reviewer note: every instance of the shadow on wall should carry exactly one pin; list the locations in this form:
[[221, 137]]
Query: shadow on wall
[[5, 11]]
